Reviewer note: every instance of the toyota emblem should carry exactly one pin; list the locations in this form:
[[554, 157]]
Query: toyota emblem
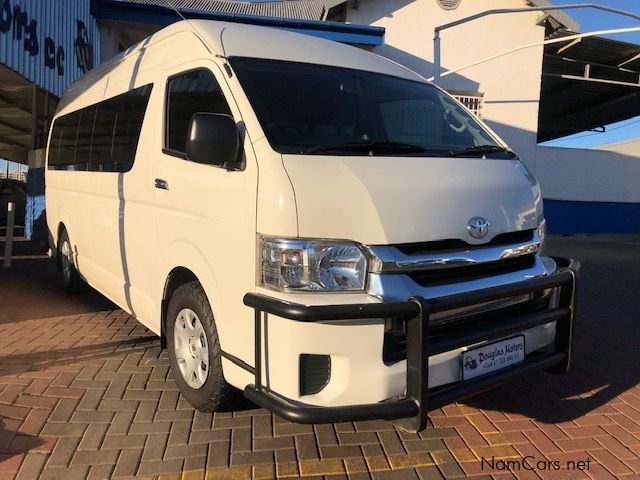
[[478, 227]]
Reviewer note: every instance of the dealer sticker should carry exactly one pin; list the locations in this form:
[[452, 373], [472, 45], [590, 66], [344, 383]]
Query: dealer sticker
[[491, 357]]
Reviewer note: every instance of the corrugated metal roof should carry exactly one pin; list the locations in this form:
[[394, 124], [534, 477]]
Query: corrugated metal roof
[[606, 51], [156, 12], [297, 9], [587, 85], [39, 40]]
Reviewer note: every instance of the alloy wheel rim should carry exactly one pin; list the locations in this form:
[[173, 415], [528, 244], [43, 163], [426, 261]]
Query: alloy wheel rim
[[191, 348]]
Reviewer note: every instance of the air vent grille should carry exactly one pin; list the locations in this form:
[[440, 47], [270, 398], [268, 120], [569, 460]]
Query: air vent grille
[[432, 278], [315, 372]]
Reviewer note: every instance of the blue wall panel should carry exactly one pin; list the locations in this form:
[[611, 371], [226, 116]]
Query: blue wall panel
[[564, 216], [35, 219]]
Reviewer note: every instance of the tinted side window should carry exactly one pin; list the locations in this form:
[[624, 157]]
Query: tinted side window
[[102, 141], [188, 93], [63, 143], [102, 137], [83, 142], [54, 145], [130, 115]]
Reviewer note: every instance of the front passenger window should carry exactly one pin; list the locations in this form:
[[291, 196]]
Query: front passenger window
[[196, 91]]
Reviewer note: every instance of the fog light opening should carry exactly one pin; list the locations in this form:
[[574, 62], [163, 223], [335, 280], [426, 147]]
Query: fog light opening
[[315, 373]]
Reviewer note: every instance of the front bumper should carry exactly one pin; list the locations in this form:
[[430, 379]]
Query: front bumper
[[411, 412]]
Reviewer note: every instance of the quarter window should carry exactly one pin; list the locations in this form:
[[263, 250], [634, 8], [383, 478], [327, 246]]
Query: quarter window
[[103, 136], [193, 92], [62, 152], [83, 140]]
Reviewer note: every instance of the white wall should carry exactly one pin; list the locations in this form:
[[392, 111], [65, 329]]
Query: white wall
[[511, 84], [109, 43], [627, 147], [588, 175]]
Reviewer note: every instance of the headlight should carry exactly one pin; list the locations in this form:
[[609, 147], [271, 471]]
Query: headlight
[[542, 231], [535, 186], [311, 265]]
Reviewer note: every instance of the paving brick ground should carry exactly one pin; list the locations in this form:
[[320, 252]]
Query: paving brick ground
[[85, 392]]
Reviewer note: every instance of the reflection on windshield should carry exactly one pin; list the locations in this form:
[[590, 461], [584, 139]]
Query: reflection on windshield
[[316, 109]]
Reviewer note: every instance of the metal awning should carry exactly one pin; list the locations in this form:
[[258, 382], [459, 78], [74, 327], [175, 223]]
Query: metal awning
[[159, 13], [586, 84], [19, 131], [298, 9]]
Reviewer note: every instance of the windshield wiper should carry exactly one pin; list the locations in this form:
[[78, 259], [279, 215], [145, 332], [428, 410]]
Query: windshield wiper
[[480, 149], [367, 147]]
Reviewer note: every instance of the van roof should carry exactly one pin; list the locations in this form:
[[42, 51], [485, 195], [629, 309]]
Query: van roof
[[242, 40]]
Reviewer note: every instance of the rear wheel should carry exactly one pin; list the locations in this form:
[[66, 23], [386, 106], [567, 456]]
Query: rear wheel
[[194, 349], [71, 279]]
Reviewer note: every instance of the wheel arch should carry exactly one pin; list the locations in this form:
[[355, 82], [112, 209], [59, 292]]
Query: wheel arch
[[182, 261], [58, 219], [60, 224], [179, 275], [176, 277], [61, 228]]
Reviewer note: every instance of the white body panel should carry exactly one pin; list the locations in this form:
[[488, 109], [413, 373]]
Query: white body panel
[[385, 192], [128, 236]]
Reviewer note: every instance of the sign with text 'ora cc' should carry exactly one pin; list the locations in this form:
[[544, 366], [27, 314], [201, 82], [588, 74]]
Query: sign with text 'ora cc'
[[50, 42]]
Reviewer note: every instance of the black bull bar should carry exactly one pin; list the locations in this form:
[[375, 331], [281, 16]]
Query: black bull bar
[[410, 412]]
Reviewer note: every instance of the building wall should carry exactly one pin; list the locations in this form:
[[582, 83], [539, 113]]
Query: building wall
[[49, 42], [511, 84], [589, 190], [589, 175], [627, 147]]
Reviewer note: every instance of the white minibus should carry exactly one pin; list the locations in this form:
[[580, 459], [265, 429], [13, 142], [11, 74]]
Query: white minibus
[[305, 221]]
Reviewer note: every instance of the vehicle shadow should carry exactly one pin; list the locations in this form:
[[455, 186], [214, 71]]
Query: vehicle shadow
[[14, 443], [17, 363], [31, 290], [605, 362]]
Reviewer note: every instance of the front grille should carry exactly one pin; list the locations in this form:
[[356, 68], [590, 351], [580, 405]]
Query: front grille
[[395, 338], [455, 321], [507, 239], [432, 278]]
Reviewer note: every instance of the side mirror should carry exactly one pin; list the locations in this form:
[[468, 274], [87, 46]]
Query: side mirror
[[213, 139]]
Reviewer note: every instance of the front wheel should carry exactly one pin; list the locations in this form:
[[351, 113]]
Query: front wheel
[[194, 349]]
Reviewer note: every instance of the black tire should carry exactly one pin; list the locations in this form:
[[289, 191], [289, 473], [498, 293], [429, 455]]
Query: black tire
[[71, 279], [214, 394]]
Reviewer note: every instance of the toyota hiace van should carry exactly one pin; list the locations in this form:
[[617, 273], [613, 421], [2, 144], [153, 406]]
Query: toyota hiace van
[[305, 221]]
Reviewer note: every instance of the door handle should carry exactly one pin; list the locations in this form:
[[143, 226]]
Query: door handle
[[161, 184]]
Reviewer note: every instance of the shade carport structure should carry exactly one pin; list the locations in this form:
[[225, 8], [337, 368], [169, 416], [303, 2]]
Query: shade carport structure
[[587, 83], [25, 112]]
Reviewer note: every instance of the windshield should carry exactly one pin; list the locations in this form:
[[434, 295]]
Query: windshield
[[318, 109]]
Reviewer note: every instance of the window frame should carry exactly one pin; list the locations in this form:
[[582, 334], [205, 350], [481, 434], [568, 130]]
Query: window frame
[[165, 117], [57, 166]]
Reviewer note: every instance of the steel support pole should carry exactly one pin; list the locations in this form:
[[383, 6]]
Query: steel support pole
[[34, 117], [437, 64], [8, 242], [437, 72], [46, 117]]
